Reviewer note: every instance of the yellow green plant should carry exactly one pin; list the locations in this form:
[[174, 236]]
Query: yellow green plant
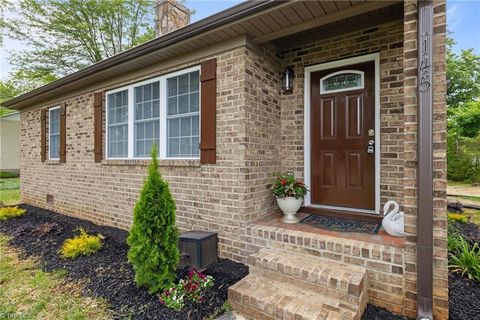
[[11, 212], [83, 244], [457, 217]]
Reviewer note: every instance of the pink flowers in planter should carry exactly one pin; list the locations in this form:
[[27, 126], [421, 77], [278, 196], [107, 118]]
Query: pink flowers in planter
[[193, 288]]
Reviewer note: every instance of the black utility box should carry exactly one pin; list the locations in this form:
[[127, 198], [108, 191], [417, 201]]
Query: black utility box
[[198, 249]]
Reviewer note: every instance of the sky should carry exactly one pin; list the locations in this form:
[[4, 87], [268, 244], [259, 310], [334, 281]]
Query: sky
[[463, 21]]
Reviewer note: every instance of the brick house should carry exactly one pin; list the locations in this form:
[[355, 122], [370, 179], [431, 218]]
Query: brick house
[[210, 95]]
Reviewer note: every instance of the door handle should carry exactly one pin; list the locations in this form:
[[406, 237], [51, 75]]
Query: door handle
[[371, 147]]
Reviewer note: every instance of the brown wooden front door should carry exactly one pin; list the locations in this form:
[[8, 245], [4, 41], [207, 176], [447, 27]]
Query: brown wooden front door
[[342, 126]]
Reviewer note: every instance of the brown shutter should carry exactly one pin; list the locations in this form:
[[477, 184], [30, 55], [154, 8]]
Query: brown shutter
[[63, 133], [43, 134], [97, 125], [208, 114]]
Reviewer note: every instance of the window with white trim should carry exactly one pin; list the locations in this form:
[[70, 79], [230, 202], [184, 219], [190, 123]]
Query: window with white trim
[[183, 115], [164, 111], [344, 80], [147, 118], [54, 133]]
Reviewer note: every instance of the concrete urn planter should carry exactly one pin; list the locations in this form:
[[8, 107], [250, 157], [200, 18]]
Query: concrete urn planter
[[289, 207]]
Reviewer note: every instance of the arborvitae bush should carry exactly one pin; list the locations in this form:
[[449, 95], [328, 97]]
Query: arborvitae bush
[[153, 239]]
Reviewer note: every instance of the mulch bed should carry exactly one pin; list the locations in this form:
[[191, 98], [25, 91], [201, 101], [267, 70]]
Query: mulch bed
[[107, 273], [464, 294], [463, 298], [470, 231], [377, 313]]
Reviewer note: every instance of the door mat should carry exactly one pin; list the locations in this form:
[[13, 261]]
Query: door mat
[[342, 224]]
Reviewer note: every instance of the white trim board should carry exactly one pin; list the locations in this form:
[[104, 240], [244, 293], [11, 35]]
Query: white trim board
[[375, 57]]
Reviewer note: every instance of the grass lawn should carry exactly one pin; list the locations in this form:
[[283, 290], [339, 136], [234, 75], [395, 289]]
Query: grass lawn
[[10, 191], [26, 292]]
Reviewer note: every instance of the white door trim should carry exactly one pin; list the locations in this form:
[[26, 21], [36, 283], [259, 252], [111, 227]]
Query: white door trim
[[307, 122]]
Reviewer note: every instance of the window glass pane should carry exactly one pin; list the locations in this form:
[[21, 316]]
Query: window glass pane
[[195, 146], [172, 105], [117, 114], [194, 83], [195, 125], [183, 115], [185, 146], [183, 103], [173, 147], [183, 84], [174, 127], [342, 81], [172, 86], [147, 118], [54, 133], [194, 102]]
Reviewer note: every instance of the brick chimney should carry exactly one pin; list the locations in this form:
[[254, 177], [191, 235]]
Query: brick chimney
[[170, 15]]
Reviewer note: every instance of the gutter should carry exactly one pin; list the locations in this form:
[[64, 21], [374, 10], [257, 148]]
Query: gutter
[[222, 18], [425, 162]]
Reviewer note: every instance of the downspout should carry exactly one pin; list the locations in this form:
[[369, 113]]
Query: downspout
[[425, 162]]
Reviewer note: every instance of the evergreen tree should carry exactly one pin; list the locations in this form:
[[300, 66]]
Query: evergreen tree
[[153, 239]]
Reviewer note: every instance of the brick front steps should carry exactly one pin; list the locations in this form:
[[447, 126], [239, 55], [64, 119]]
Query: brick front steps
[[383, 257], [289, 285]]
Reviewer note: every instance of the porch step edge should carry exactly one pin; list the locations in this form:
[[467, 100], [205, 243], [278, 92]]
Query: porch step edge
[[258, 297], [337, 281]]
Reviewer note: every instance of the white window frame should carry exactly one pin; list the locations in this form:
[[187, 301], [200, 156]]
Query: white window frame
[[333, 74], [50, 133], [162, 148]]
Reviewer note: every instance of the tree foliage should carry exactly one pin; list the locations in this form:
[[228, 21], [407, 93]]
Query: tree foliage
[[463, 118], [463, 76], [73, 34], [64, 36], [153, 239]]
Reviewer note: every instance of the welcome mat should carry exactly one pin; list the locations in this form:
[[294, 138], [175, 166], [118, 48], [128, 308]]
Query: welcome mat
[[342, 224]]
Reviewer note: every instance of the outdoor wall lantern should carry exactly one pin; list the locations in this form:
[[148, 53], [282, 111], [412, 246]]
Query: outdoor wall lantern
[[287, 80]]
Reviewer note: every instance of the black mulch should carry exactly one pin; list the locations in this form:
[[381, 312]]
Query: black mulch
[[470, 231], [464, 294], [463, 298], [376, 313], [107, 273]]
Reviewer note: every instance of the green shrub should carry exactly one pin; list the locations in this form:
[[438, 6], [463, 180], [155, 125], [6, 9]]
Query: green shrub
[[83, 244], [11, 212], [465, 260], [153, 239], [7, 175], [457, 217]]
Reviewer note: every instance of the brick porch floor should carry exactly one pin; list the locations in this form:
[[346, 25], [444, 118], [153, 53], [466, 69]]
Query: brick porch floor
[[274, 220]]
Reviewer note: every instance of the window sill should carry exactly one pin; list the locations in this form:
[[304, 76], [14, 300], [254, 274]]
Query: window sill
[[145, 162], [52, 162]]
